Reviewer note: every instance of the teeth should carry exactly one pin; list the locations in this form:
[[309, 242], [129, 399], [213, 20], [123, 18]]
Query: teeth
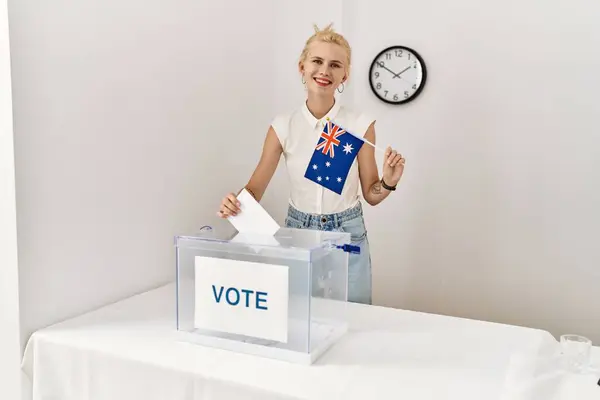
[[322, 81]]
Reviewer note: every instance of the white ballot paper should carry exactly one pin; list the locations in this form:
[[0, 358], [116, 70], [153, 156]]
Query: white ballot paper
[[253, 218]]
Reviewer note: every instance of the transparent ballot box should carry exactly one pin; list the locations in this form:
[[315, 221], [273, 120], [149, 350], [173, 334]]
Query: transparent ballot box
[[280, 296]]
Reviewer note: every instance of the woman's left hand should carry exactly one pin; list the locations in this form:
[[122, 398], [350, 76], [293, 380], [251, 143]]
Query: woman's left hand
[[393, 166]]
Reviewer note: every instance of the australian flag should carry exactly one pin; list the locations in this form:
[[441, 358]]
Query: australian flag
[[332, 158]]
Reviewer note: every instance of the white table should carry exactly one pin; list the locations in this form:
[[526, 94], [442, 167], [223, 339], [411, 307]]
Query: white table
[[128, 351]]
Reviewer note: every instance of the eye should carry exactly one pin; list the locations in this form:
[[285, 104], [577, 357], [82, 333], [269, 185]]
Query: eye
[[336, 65], [317, 61]]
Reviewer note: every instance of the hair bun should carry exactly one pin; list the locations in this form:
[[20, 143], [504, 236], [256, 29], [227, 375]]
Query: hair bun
[[328, 28]]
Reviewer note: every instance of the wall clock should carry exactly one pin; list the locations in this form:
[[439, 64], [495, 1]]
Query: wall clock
[[397, 75]]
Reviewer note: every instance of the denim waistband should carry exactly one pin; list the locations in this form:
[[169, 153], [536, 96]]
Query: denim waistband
[[308, 219]]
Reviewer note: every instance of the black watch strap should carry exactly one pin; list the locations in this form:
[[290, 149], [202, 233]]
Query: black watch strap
[[385, 185]]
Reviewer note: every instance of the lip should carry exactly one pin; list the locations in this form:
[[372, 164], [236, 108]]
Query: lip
[[323, 82]]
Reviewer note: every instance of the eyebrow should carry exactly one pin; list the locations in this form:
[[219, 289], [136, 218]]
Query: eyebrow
[[319, 58]]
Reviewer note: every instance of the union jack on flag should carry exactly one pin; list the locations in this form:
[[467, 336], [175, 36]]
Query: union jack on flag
[[325, 167], [330, 135]]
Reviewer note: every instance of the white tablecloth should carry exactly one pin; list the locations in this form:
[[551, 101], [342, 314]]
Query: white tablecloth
[[128, 351]]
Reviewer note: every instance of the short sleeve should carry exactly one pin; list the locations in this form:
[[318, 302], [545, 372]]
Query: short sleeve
[[362, 123], [281, 126]]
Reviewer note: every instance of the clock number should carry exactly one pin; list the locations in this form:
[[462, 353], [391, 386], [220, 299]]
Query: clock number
[[376, 74], [396, 97], [415, 65], [409, 56], [378, 85], [386, 92], [380, 64], [399, 53], [415, 86], [405, 94], [388, 56]]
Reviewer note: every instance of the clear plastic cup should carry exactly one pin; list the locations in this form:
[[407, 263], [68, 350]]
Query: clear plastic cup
[[575, 352]]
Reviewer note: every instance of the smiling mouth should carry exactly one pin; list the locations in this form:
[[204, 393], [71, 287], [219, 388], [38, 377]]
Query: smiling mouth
[[322, 82]]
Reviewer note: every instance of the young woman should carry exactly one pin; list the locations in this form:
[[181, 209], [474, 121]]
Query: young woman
[[324, 66]]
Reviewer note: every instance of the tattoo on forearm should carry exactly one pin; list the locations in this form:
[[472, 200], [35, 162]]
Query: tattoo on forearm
[[376, 188]]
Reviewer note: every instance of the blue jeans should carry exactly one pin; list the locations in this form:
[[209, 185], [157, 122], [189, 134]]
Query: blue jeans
[[350, 221]]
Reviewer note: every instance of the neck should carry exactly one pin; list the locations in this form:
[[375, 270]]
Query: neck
[[319, 106]]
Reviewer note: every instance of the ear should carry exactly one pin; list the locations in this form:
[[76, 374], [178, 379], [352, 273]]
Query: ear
[[300, 67]]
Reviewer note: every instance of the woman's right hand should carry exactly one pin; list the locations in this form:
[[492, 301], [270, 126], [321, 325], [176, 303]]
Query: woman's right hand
[[229, 206]]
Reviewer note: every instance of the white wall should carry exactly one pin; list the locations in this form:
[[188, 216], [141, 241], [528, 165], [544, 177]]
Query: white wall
[[116, 104], [9, 277], [498, 212]]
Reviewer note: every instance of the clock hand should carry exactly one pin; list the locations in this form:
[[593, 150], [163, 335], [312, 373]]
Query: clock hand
[[401, 72], [384, 67]]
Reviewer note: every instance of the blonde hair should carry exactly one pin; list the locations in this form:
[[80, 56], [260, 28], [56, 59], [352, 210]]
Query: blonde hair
[[327, 35]]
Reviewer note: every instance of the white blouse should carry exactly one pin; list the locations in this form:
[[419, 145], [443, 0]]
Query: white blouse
[[299, 133]]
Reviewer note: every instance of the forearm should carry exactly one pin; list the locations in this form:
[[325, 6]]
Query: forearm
[[254, 192], [258, 183], [272, 150], [376, 193]]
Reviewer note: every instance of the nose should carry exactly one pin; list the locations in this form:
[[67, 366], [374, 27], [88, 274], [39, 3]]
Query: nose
[[324, 69]]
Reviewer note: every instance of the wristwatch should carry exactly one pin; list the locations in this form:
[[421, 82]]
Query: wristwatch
[[385, 186]]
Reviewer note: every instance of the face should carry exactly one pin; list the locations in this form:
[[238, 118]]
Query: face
[[324, 68]]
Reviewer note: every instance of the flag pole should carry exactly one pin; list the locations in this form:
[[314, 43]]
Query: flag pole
[[366, 141], [375, 147], [363, 139]]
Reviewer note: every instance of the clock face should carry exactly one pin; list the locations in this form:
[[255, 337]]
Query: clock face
[[397, 75]]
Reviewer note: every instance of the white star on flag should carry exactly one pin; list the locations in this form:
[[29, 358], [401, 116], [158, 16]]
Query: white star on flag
[[328, 164], [348, 148], [314, 166]]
